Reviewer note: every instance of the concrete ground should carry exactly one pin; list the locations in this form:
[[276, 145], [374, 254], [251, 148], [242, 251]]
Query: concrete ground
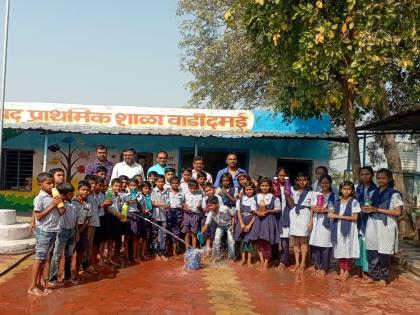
[[156, 287]]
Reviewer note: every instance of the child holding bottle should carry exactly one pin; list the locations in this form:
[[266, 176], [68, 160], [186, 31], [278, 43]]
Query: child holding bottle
[[320, 238], [344, 233], [300, 219], [382, 227]]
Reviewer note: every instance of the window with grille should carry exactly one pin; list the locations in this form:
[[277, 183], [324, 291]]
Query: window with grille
[[17, 169]]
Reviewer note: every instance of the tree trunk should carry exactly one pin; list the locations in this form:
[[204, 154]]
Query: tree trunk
[[347, 108], [392, 155]]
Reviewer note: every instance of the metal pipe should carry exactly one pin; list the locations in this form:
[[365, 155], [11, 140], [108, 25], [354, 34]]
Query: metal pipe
[[195, 146], [364, 149], [44, 162], [3, 90]]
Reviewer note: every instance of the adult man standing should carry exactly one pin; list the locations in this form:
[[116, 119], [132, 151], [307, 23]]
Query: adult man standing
[[101, 153], [129, 167], [198, 165], [232, 168], [160, 166]]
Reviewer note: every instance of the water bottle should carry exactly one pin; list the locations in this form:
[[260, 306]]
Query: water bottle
[[109, 194], [331, 207], [133, 194], [56, 193], [124, 212], [287, 186], [276, 187], [320, 200], [200, 238], [368, 201]]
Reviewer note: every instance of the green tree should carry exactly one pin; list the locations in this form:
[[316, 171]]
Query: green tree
[[329, 56]]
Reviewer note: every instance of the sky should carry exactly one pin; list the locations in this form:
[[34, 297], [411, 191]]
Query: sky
[[102, 52]]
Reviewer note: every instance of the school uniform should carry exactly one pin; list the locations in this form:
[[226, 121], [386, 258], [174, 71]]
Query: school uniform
[[99, 230], [46, 228], [211, 228], [183, 186], [94, 220], [232, 191], [65, 241], [191, 219], [174, 214], [284, 227], [245, 207], [146, 207], [265, 229], [159, 217], [223, 221], [344, 233], [320, 238], [300, 215], [84, 213], [112, 224], [362, 193], [382, 232], [133, 220]]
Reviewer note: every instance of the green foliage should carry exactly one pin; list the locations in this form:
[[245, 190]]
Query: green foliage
[[10, 133], [17, 203], [316, 50]]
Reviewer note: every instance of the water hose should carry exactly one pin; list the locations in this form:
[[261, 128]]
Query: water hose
[[192, 255]]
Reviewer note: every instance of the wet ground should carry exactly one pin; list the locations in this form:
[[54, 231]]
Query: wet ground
[[164, 288]]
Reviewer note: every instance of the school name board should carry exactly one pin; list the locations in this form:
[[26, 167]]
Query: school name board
[[121, 118]]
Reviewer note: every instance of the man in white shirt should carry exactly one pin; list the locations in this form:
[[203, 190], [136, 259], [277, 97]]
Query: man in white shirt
[[198, 165], [129, 167]]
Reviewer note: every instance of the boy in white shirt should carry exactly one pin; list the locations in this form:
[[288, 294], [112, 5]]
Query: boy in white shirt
[[222, 216]]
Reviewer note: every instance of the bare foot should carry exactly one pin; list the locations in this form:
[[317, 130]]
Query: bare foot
[[242, 262], [295, 268], [382, 283], [164, 258], [265, 266], [368, 281], [311, 268], [281, 267], [322, 273], [158, 257], [338, 277], [345, 277], [36, 291], [249, 264], [301, 268]]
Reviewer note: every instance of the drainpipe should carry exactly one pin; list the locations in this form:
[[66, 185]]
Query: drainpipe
[[44, 163]]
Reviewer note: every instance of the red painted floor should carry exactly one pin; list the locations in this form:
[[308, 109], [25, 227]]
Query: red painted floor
[[164, 288]]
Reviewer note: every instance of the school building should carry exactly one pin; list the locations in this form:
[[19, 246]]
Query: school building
[[41, 136]]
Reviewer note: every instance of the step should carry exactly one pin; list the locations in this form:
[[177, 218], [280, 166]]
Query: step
[[18, 231], [17, 247], [7, 216]]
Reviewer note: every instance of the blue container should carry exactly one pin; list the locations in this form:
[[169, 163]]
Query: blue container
[[193, 258]]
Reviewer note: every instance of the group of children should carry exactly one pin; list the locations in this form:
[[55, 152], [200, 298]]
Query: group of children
[[259, 216]]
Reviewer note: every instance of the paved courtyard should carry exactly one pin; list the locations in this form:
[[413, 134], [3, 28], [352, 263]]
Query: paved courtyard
[[164, 288]]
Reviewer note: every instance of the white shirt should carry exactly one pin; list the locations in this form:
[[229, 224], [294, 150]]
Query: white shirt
[[209, 179], [130, 171]]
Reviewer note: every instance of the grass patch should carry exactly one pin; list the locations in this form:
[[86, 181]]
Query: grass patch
[[18, 203]]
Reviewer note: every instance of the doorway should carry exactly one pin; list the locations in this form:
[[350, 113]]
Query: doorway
[[296, 166]]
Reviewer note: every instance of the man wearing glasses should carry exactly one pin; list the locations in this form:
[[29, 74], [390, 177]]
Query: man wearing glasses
[[160, 166], [129, 167]]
